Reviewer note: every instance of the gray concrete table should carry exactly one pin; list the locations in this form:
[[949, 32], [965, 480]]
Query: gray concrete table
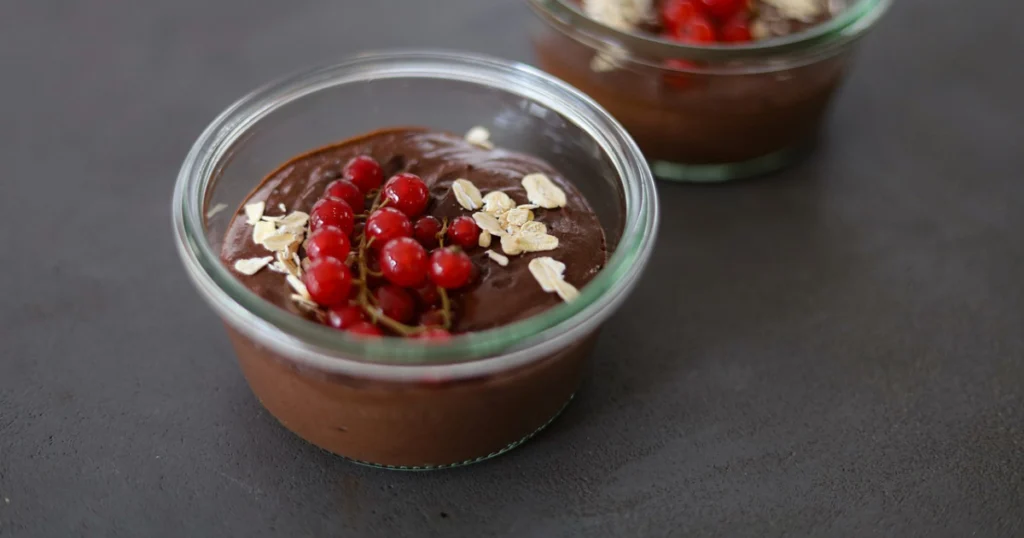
[[835, 351]]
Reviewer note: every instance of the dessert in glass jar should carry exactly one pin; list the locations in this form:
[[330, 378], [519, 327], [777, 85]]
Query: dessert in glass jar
[[413, 252], [711, 90]]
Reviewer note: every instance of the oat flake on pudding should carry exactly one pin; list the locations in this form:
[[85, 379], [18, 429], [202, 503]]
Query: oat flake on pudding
[[623, 15]]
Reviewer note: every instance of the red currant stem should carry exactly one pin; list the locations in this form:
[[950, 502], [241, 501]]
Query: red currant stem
[[366, 299], [396, 327], [321, 316], [371, 272], [440, 235], [446, 308], [360, 257]]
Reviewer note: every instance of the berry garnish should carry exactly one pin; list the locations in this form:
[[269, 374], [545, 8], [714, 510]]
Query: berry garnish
[[407, 193], [328, 241], [434, 333], [427, 295], [346, 190], [697, 29], [365, 328], [364, 172], [332, 211], [343, 317], [425, 231], [674, 13], [328, 281], [464, 232], [450, 268], [736, 29], [396, 303], [724, 9], [385, 224], [404, 262]]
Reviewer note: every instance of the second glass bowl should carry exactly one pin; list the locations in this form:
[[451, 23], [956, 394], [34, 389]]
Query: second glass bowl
[[706, 113]]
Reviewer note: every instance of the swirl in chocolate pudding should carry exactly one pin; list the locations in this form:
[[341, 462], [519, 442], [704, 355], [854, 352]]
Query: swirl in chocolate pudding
[[500, 295]]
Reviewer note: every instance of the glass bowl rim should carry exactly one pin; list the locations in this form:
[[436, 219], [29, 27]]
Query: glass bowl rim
[[393, 358], [849, 25]]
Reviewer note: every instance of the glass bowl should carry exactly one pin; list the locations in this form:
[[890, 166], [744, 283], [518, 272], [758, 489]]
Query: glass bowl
[[404, 403], [706, 113]]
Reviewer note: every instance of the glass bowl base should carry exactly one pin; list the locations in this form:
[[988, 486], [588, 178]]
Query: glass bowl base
[[716, 173], [469, 461]]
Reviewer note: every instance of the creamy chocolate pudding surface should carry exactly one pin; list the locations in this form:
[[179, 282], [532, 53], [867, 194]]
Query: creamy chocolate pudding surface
[[498, 294]]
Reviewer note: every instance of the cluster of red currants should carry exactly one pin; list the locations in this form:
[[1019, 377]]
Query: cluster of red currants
[[706, 21], [415, 267]]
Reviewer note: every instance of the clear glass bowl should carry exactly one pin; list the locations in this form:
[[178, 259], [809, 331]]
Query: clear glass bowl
[[706, 113], [393, 402]]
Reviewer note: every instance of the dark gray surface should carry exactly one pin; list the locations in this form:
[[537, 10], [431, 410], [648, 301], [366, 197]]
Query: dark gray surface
[[836, 351]]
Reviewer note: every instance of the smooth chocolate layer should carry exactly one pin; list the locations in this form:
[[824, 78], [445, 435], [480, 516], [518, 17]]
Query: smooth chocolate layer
[[420, 424], [700, 118], [502, 294]]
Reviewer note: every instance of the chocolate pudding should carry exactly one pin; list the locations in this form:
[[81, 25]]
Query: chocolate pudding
[[695, 119], [727, 115], [527, 240], [439, 159], [432, 424]]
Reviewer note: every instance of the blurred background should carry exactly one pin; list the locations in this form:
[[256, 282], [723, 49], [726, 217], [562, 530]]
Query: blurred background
[[845, 351]]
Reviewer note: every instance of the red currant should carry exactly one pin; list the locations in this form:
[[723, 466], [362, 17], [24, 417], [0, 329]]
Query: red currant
[[464, 232], [365, 328], [385, 224], [396, 303], [698, 29], [450, 268], [724, 9], [332, 211], [328, 241], [427, 296], [404, 262], [328, 281], [343, 317], [364, 172], [436, 334], [346, 190], [425, 231], [407, 193], [674, 13], [736, 30]]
